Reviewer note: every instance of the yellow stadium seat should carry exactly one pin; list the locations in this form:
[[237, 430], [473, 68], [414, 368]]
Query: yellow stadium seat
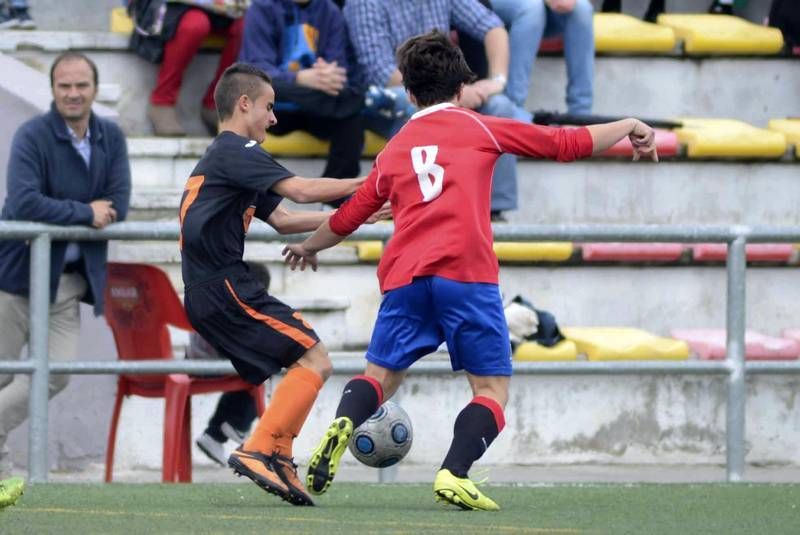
[[615, 32], [625, 343], [122, 23], [533, 251], [367, 251], [728, 138], [722, 34], [303, 144], [789, 128], [531, 351]]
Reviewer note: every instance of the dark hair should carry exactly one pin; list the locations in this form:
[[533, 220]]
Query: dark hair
[[237, 80], [70, 55], [260, 272], [433, 68]]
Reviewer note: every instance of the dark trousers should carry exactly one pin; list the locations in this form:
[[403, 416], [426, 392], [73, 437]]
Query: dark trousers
[[237, 408], [337, 119]]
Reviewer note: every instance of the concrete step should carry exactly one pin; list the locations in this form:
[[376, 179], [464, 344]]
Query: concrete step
[[592, 191], [623, 85], [653, 298]]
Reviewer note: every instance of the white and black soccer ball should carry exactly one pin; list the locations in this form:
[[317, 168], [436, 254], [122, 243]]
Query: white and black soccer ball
[[385, 438]]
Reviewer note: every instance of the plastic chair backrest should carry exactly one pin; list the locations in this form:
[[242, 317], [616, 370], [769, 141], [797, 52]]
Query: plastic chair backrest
[[140, 302]]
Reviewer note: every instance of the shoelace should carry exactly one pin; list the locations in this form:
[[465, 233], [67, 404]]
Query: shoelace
[[484, 473]]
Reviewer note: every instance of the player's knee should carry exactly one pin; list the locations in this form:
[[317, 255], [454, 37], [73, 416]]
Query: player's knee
[[317, 359]]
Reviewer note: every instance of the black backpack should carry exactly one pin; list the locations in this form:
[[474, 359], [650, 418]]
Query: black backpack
[[148, 22]]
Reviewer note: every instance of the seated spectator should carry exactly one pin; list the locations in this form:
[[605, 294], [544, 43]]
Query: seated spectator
[[377, 28], [527, 22], [302, 45], [235, 411], [785, 15], [175, 36], [14, 15], [654, 8]]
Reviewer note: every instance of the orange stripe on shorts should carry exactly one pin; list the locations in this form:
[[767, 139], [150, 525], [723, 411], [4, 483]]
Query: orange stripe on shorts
[[292, 332]]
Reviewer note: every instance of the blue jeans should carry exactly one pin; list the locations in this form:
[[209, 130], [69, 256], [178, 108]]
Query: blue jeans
[[528, 21], [504, 180]]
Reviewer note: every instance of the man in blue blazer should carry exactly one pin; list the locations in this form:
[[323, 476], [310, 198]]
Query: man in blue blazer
[[66, 167]]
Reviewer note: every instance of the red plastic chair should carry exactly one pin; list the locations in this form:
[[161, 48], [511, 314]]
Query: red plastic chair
[[139, 304]]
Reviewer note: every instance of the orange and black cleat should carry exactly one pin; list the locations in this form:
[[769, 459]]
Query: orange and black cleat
[[260, 469], [286, 468]]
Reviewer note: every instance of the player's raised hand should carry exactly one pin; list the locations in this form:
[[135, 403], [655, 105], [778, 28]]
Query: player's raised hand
[[296, 254], [471, 97], [643, 140]]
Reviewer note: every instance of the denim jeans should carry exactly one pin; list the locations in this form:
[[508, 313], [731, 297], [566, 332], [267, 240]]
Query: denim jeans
[[528, 21], [504, 180]]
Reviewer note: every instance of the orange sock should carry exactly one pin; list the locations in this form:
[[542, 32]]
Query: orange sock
[[286, 413]]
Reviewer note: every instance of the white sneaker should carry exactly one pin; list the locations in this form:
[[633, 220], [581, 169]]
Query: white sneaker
[[213, 449], [232, 433]]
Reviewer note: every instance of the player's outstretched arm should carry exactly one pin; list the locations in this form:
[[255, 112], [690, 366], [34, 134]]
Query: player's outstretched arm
[[294, 221], [307, 190], [305, 254], [642, 137]]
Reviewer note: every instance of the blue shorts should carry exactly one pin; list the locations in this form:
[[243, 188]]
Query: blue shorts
[[415, 319]]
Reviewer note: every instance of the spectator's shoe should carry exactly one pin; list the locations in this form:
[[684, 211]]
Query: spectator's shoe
[[165, 121], [232, 433], [460, 492], [654, 9], [7, 22], [325, 459], [10, 491], [213, 449], [258, 467], [22, 18], [718, 8], [498, 217], [286, 468], [210, 120]]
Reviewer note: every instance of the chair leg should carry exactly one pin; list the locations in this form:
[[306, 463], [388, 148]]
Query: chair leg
[[176, 392], [112, 431], [184, 462], [258, 395]]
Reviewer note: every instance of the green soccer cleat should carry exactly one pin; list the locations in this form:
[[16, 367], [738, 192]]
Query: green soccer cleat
[[10, 490], [325, 459], [461, 492]]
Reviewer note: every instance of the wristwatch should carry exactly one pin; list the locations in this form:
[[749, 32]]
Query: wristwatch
[[499, 78]]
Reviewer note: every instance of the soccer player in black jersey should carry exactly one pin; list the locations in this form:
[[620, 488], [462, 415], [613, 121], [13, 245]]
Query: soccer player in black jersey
[[235, 180]]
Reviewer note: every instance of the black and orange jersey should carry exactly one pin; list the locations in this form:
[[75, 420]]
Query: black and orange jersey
[[230, 184]]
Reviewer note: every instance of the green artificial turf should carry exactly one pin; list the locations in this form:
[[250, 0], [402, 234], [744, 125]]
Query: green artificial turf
[[355, 508]]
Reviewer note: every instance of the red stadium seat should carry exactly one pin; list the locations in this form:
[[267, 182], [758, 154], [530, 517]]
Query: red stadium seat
[[709, 344], [632, 252], [552, 44], [140, 304], [666, 144], [756, 252]]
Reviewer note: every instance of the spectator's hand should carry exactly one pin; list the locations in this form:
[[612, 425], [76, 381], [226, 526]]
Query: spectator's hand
[[561, 6], [471, 98], [323, 76], [643, 140], [384, 212], [103, 213], [487, 88], [295, 253]]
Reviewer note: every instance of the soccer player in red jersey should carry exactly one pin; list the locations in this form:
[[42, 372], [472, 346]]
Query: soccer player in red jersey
[[439, 274]]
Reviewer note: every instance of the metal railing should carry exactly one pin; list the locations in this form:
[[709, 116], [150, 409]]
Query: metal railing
[[734, 367]]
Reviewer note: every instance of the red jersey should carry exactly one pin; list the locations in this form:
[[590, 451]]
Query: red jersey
[[437, 173]]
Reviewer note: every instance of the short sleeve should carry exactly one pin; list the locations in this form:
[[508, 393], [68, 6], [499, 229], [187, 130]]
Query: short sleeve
[[266, 204]]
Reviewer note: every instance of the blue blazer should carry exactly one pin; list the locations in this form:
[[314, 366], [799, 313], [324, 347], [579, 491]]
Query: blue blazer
[[48, 182]]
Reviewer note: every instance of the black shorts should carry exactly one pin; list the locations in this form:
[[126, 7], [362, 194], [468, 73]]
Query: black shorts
[[258, 333]]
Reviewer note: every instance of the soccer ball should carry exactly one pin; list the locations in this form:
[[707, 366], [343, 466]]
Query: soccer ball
[[385, 438]]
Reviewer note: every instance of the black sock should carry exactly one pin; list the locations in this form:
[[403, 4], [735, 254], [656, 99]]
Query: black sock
[[361, 398], [655, 8], [476, 427]]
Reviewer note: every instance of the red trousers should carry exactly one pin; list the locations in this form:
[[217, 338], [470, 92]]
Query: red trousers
[[193, 28]]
